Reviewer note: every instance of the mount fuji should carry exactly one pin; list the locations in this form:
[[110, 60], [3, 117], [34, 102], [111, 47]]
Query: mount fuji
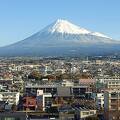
[[63, 38]]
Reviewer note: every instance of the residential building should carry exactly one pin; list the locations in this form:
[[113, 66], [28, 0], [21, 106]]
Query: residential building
[[43, 99], [113, 84], [29, 103], [100, 100], [112, 104], [82, 113], [10, 97]]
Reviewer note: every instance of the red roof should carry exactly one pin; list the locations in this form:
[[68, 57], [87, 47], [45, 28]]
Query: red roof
[[87, 81]]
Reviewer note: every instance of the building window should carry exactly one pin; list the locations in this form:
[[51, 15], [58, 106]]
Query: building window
[[114, 94], [85, 113]]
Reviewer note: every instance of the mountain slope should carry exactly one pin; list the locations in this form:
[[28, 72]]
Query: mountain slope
[[62, 38]]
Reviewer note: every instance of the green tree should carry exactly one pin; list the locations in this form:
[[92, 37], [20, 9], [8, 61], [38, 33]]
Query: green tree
[[35, 75]]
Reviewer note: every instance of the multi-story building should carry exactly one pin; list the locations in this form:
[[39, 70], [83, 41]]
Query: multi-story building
[[43, 99], [107, 79], [58, 90], [37, 102], [29, 103], [112, 104], [100, 100], [112, 100], [10, 98], [113, 84], [88, 82], [81, 113]]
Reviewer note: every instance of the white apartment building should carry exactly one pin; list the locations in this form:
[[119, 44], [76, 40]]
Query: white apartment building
[[10, 97], [84, 113], [43, 98], [105, 80], [100, 100], [113, 84]]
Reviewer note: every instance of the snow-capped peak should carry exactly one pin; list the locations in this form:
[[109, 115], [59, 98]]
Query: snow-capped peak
[[100, 35], [63, 26]]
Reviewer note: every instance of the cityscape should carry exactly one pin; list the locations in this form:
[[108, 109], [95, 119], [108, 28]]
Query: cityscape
[[60, 88], [63, 71]]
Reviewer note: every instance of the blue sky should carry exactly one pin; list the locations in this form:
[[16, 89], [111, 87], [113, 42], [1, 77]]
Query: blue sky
[[21, 18]]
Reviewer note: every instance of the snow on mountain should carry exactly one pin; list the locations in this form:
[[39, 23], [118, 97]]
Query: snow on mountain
[[63, 26], [99, 35], [63, 38]]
